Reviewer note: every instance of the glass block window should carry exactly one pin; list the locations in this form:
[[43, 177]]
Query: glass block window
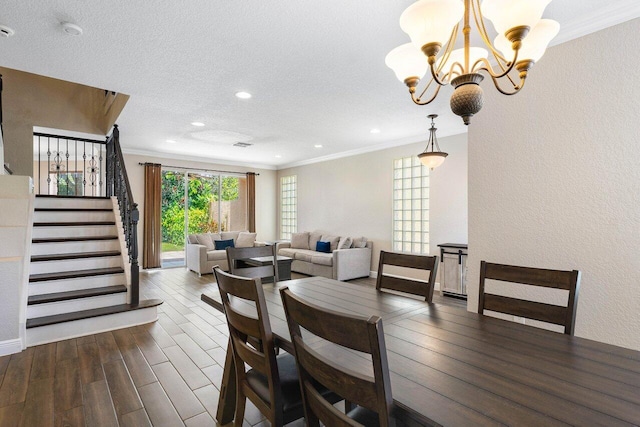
[[288, 206], [410, 206]]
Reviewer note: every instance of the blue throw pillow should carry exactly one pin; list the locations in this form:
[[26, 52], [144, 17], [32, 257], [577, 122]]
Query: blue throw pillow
[[223, 244], [323, 247]]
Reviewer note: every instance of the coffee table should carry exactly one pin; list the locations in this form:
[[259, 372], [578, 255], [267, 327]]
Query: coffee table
[[284, 266]]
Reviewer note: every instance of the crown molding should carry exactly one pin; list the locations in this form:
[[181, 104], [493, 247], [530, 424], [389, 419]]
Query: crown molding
[[196, 159], [598, 19]]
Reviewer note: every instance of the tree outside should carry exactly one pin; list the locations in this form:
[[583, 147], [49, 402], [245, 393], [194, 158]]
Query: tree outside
[[203, 194]]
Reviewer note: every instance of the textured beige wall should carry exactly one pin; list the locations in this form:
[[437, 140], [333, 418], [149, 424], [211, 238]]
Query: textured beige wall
[[265, 190], [30, 100], [554, 180], [352, 196]]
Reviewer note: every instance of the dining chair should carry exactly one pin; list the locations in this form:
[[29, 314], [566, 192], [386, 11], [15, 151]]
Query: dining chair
[[370, 393], [404, 284], [550, 313], [238, 265], [272, 382]]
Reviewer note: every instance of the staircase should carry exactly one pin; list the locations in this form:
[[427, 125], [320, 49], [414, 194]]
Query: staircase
[[77, 281]]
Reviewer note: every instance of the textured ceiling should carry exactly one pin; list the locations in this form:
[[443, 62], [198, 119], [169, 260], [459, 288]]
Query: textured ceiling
[[315, 68]]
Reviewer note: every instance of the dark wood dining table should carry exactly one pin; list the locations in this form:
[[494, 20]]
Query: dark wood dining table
[[452, 367]]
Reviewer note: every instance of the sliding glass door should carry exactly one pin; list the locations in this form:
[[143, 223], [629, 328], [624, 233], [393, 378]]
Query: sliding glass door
[[214, 203]]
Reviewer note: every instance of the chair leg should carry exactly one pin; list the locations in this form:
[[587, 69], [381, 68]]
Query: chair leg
[[241, 401]]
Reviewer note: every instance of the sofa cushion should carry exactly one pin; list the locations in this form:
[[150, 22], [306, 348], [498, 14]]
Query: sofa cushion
[[223, 244], [205, 239], [359, 242], [226, 235], [245, 239], [291, 253], [304, 254], [300, 240], [323, 246], [333, 240], [215, 236], [314, 236], [216, 255], [345, 243], [192, 239], [322, 259]]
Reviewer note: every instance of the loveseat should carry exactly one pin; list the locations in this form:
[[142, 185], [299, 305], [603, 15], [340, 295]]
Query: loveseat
[[343, 258], [202, 254]]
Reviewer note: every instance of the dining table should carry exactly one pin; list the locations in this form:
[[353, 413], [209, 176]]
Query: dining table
[[452, 367]]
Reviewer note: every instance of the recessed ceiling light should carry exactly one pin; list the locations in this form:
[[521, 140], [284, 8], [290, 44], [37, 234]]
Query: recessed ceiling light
[[374, 130], [243, 95], [171, 141], [278, 156], [6, 31], [318, 146], [200, 124], [71, 29]]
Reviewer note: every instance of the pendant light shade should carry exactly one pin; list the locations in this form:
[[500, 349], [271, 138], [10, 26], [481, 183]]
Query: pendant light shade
[[432, 157]]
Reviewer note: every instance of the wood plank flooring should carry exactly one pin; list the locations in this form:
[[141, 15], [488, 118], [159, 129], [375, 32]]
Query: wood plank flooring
[[166, 373]]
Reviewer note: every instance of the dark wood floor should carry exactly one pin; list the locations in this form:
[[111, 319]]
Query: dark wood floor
[[162, 374]]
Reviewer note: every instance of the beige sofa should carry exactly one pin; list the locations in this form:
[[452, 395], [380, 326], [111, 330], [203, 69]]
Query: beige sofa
[[202, 255], [343, 262]]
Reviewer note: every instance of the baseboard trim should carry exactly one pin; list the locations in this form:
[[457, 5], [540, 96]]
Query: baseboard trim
[[10, 347], [373, 274]]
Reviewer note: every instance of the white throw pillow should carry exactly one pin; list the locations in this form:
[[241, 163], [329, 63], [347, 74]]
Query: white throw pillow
[[300, 240], [205, 239], [359, 242], [245, 239], [345, 243]]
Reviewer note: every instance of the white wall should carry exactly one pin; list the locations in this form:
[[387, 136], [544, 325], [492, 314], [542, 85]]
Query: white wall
[[554, 178], [352, 196], [265, 191]]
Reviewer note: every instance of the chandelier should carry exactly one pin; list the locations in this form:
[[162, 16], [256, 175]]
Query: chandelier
[[434, 158], [431, 24]]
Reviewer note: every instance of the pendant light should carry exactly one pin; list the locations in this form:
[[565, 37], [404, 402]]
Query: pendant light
[[432, 157]]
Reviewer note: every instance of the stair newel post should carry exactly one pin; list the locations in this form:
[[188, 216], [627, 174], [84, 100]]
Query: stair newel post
[[135, 268]]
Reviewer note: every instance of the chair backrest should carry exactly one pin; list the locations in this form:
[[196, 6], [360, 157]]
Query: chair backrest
[[356, 333], [246, 311], [558, 279], [239, 266], [404, 284]]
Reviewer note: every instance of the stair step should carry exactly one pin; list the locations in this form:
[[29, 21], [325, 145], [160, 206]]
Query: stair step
[[72, 239], [72, 224], [74, 274], [70, 197], [88, 314], [81, 293], [77, 255], [72, 209]]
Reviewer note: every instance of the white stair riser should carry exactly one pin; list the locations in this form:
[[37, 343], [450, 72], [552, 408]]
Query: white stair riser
[[72, 216], [94, 325], [51, 286], [49, 309], [74, 247], [74, 264], [74, 231], [80, 202]]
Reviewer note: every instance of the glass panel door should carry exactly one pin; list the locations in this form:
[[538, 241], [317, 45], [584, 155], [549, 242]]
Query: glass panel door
[[203, 215], [172, 218]]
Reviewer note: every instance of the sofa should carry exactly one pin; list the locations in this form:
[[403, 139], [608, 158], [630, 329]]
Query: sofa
[[344, 258], [202, 254]]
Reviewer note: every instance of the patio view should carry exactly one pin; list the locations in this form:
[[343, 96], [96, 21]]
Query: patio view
[[214, 203]]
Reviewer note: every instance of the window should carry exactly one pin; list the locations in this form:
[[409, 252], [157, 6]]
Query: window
[[410, 206], [288, 206]]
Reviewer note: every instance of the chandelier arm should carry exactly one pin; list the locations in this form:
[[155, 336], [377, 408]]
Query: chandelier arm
[[489, 69], [517, 88], [418, 102], [482, 30], [443, 59]]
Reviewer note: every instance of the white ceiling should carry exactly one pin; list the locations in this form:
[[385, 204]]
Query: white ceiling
[[315, 68]]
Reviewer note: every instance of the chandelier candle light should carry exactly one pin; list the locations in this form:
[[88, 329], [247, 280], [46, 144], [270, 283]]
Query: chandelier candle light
[[522, 40], [432, 158]]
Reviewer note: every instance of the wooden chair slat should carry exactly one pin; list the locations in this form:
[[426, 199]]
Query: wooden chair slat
[[235, 257], [529, 276], [530, 309], [246, 325], [404, 284]]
